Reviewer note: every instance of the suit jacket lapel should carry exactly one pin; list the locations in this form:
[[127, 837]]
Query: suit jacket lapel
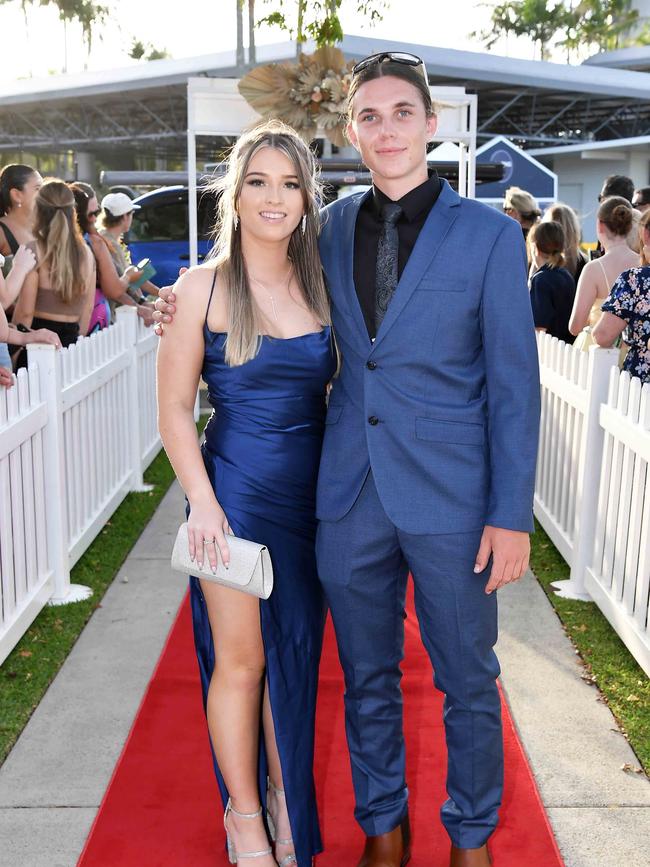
[[437, 225], [347, 292]]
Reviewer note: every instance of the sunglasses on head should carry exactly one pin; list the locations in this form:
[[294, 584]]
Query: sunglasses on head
[[394, 56]]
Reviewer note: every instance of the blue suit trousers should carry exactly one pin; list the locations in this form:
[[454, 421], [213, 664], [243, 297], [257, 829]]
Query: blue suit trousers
[[363, 563]]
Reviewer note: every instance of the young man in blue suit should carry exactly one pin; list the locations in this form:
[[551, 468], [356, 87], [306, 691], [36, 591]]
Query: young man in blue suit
[[429, 457], [428, 462]]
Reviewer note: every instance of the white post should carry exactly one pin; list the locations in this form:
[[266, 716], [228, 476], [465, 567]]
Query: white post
[[462, 169], [191, 197], [127, 318], [471, 155], [48, 363], [601, 362]]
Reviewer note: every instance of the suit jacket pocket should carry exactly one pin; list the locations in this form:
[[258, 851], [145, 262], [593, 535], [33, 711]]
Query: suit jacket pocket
[[443, 283], [442, 431]]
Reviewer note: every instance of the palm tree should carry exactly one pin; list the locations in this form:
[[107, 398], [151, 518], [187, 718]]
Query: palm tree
[[240, 59], [87, 12], [252, 59]]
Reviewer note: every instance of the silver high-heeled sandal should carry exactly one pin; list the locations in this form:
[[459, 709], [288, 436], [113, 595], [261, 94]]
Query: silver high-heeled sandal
[[288, 859], [233, 855]]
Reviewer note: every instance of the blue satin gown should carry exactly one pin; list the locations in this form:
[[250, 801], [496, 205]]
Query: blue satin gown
[[262, 451]]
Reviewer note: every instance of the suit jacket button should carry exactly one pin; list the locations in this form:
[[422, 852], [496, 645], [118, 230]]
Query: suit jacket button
[[373, 420], [371, 365]]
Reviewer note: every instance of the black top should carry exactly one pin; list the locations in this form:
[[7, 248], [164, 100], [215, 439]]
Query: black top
[[11, 238], [552, 291], [415, 205], [580, 264]]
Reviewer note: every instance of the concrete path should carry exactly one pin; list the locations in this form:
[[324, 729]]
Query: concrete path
[[53, 781], [600, 814]]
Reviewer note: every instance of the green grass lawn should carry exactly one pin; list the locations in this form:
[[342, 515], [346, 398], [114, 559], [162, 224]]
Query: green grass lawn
[[33, 663], [608, 663]]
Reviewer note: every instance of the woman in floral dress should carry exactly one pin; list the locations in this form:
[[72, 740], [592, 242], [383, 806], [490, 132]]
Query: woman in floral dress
[[627, 311]]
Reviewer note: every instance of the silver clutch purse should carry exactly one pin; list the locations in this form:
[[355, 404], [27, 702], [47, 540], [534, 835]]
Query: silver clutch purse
[[250, 571]]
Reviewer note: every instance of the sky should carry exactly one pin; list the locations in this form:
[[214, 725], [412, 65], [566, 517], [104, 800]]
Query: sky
[[35, 45]]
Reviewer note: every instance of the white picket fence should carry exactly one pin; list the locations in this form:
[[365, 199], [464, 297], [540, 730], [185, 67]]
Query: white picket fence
[[26, 572], [592, 493], [76, 433], [79, 428]]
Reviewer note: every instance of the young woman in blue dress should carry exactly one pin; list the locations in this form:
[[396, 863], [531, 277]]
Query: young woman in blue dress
[[255, 324]]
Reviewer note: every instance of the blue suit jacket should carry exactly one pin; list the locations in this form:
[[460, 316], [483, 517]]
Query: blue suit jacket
[[451, 381]]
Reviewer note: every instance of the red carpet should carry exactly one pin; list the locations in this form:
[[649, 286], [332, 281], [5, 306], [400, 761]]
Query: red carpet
[[161, 808]]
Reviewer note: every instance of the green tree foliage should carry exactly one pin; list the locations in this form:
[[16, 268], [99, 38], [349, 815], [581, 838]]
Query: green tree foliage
[[574, 25], [539, 20], [85, 12], [599, 24], [145, 51], [643, 37], [317, 19]]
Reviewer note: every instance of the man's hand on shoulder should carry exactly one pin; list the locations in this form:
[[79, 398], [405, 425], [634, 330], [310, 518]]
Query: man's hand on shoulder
[[510, 550], [164, 308]]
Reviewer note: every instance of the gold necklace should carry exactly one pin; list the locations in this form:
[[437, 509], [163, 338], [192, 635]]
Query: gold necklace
[[266, 289]]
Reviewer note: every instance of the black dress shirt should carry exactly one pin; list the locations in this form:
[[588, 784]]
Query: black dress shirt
[[416, 205]]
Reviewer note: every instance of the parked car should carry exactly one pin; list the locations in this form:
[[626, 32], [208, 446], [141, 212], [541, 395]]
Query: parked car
[[160, 230]]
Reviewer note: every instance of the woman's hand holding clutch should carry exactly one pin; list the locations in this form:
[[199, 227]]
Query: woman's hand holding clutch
[[207, 527]]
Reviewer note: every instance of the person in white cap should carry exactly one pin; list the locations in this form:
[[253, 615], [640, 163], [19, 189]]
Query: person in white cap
[[117, 216]]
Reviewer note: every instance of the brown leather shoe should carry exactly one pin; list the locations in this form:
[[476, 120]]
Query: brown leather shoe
[[470, 857], [388, 850]]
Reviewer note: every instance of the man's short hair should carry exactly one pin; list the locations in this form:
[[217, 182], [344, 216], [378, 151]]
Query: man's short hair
[[415, 75], [618, 185], [641, 196]]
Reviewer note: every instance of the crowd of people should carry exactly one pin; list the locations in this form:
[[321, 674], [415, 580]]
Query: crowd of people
[[62, 275], [603, 298]]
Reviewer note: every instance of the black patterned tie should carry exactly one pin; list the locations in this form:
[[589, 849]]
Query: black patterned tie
[[386, 260]]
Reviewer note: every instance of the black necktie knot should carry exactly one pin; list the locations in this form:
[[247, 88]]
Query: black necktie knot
[[391, 212]]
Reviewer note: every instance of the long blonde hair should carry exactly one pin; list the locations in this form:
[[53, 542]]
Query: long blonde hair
[[563, 214], [60, 245], [644, 226], [243, 340]]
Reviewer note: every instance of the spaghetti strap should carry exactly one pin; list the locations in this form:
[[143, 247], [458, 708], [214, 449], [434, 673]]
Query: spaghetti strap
[[602, 268], [207, 309]]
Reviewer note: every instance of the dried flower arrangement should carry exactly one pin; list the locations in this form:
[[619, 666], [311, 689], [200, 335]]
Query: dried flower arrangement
[[309, 95]]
